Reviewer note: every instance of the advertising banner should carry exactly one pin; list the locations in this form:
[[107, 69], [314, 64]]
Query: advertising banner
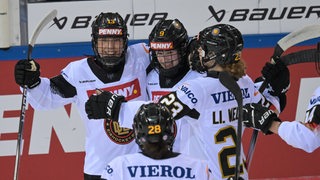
[[73, 22]]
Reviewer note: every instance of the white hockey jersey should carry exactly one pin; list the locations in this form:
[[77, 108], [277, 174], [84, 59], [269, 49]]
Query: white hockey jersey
[[155, 92], [216, 127], [217, 123], [137, 166], [299, 136], [104, 140]]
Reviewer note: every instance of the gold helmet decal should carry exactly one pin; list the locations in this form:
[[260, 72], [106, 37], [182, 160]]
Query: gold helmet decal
[[111, 21], [215, 31], [161, 33]]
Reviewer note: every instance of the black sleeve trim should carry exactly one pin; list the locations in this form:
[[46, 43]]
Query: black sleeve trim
[[173, 103], [61, 87]]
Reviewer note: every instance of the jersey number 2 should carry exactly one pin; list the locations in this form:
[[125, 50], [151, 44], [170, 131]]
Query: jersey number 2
[[228, 151]]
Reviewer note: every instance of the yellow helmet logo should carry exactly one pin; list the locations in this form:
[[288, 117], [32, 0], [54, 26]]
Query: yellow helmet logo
[[111, 21], [215, 31], [161, 33]]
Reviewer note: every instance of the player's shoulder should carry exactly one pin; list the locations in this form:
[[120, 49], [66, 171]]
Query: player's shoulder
[[194, 82], [78, 62], [247, 81], [189, 158], [138, 53], [153, 75], [76, 66], [246, 78], [139, 47], [195, 74], [193, 86]]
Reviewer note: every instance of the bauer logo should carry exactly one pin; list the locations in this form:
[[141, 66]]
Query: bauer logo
[[130, 90], [161, 45], [81, 21], [264, 13], [117, 32]]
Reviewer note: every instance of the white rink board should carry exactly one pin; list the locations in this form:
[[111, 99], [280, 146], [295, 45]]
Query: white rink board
[[307, 87], [250, 16]]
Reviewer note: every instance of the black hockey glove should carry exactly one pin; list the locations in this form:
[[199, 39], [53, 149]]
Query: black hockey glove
[[27, 72], [105, 105], [278, 77], [258, 117]]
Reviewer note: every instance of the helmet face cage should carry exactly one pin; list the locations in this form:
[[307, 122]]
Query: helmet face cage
[[222, 43], [109, 31], [193, 58], [168, 35], [153, 123]]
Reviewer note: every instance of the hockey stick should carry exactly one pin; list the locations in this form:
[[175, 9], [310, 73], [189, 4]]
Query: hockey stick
[[230, 83], [293, 38], [32, 41], [303, 56]]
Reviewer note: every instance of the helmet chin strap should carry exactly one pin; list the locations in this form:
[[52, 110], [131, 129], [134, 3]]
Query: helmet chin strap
[[208, 66], [215, 67]]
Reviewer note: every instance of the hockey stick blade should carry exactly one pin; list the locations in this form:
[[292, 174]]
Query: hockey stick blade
[[295, 37], [230, 83], [32, 41], [49, 17]]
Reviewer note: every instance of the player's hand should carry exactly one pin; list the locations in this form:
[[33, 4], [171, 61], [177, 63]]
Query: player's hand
[[104, 104], [278, 77], [258, 117], [27, 72]]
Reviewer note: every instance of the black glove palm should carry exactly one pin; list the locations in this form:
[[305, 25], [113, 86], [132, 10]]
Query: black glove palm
[[258, 117], [104, 105], [27, 72], [278, 77]]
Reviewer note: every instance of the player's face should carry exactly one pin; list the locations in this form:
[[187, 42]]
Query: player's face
[[168, 59], [110, 46]]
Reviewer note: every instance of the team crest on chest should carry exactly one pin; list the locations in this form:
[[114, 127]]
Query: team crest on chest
[[117, 134]]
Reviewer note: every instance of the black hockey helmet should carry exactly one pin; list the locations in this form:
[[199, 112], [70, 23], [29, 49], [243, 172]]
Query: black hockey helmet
[[169, 35], [109, 25], [153, 123], [222, 43]]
